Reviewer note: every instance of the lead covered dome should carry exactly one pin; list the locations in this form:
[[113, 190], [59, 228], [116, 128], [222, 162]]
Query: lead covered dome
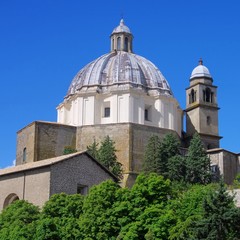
[[200, 71], [118, 87], [120, 67]]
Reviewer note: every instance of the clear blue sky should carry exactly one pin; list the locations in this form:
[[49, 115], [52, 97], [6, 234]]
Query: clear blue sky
[[44, 43]]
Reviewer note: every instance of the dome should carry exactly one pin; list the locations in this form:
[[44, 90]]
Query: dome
[[121, 28], [120, 68], [200, 71]]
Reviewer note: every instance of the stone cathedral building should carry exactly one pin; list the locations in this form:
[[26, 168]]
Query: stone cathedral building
[[125, 96]]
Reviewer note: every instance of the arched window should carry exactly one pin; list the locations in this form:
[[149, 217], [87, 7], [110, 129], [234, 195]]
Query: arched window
[[24, 155], [113, 47], [126, 44], [208, 120], [118, 43], [10, 199], [208, 95], [192, 96], [212, 97]]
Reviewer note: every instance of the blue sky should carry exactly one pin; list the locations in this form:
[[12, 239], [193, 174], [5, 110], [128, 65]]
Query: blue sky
[[44, 43]]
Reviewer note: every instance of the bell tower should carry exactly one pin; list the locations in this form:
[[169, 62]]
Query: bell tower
[[202, 107]]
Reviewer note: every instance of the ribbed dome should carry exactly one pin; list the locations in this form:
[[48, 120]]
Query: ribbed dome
[[200, 71], [120, 68]]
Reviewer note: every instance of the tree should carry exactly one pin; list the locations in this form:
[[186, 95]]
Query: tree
[[98, 220], [187, 209], [59, 217], [176, 168], [107, 156], [197, 162], [152, 155], [158, 153], [19, 221], [93, 149], [146, 207], [169, 148], [220, 218]]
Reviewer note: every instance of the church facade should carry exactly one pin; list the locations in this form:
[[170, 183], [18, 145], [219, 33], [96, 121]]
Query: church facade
[[125, 96]]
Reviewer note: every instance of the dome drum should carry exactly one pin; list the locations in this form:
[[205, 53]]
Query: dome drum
[[120, 87]]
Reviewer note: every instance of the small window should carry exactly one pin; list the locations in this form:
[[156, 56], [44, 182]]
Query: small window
[[192, 96], [126, 44], [82, 189], [146, 117], [24, 155], [118, 43], [208, 95], [148, 113], [208, 120], [107, 112], [113, 44]]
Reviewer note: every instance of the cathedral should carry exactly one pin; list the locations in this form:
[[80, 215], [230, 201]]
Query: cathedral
[[122, 95]]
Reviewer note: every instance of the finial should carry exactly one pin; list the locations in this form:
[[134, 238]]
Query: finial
[[200, 62], [122, 22]]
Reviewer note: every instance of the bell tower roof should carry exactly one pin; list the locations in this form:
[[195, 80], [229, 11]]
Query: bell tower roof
[[200, 71]]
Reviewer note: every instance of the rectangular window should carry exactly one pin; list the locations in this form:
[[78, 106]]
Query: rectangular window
[[82, 189], [148, 113], [146, 117], [107, 112]]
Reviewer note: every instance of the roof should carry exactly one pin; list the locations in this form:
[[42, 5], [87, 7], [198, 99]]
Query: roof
[[121, 28], [217, 150], [118, 68], [51, 161], [200, 71]]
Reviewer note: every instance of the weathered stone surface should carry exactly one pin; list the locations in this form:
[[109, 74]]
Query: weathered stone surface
[[44, 140], [37, 181]]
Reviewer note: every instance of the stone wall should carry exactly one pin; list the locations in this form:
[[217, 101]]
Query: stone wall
[[130, 141], [81, 170], [119, 133], [44, 140], [26, 138], [236, 194], [140, 135], [227, 162], [52, 138], [32, 185], [36, 182]]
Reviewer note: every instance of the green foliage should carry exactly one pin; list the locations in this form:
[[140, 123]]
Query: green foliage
[[187, 208], [59, 217], [146, 206], [106, 154], [69, 150], [98, 220], [220, 217], [164, 158], [154, 208], [18, 221], [236, 182], [197, 162], [176, 168], [93, 149], [169, 148], [152, 155], [157, 154]]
